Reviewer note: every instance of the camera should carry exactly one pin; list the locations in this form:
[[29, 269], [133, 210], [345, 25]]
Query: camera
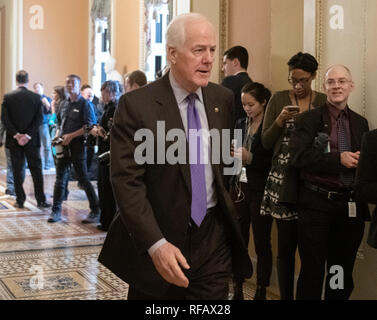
[[57, 141], [322, 142], [61, 151]]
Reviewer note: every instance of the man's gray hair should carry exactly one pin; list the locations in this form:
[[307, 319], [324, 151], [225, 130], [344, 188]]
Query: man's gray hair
[[176, 31]]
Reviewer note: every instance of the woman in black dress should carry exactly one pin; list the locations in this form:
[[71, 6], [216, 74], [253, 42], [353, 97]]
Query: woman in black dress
[[249, 185]]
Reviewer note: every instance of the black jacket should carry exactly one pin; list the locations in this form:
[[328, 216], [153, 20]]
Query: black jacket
[[315, 161], [236, 83], [22, 113]]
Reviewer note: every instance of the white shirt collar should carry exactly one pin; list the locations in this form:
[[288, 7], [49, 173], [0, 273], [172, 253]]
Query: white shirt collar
[[180, 93]]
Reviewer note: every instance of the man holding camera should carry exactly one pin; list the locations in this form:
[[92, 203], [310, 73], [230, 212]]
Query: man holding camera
[[330, 217], [72, 120]]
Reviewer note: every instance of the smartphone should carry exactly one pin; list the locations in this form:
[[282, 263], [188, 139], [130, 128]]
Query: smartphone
[[293, 108]]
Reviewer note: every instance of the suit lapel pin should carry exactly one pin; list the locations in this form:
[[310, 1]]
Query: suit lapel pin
[[217, 110]]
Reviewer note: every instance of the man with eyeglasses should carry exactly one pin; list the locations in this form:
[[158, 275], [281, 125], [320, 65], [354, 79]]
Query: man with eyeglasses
[[325, 147]]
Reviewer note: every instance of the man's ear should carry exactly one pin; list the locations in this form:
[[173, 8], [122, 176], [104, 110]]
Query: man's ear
[[172, 54], [135, 86], [236, 63], [352, 84]]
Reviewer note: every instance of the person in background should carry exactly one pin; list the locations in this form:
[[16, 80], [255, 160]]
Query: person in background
[[88, 94], [280, 196], [109, 94], [74, 116], [366, 180], [249, 185], [58, 98], [21, 114], [159, 74], [135, 80], [44, 132], [235, 64], [90, 142], [330, 218], [10, 182]]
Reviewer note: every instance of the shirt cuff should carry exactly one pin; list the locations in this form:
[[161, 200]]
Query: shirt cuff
[[158, 244], [27, 136]]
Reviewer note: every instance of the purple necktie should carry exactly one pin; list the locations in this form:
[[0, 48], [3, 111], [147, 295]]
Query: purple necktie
[[198, 181], [343, 145]]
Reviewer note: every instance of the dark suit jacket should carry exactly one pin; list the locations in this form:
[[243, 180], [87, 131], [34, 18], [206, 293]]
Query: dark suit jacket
[[236, 83], [366, 179], [366, 174], [154, 200], [22, 113], [305, 157]]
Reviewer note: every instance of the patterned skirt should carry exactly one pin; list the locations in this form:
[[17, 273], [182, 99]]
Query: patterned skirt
[[270, 203]]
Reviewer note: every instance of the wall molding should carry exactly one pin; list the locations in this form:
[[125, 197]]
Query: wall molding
[[3, 43], [223, 33], [365, 44], [319, 43]]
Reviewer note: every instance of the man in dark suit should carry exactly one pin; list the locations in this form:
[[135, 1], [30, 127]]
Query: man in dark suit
[[366, 180], [325, 147], [175, 235], [22, 117], [235, 63]]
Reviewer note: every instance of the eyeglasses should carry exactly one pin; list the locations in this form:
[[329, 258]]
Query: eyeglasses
[[332, 82], [302, 82]]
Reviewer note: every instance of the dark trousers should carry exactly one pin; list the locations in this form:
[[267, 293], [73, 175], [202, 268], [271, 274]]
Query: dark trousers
[[33, 157], [287, 245], [327, 238], [106, 196], [208, 254], [78, 159], [249, 211]]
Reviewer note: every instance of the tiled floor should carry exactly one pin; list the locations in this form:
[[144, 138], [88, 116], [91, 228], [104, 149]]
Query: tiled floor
[[42, 261]]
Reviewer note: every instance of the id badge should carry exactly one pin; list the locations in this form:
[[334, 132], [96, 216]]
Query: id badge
[[352, 209], [243, 177]]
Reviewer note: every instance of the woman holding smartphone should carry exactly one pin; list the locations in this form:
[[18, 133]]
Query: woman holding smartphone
[[280, 192]]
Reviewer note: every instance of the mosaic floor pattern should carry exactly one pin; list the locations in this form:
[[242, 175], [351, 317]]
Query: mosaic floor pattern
[[60, 274]]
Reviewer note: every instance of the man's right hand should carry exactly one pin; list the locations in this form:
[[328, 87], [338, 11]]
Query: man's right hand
[[168, 261], [350, 159]]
